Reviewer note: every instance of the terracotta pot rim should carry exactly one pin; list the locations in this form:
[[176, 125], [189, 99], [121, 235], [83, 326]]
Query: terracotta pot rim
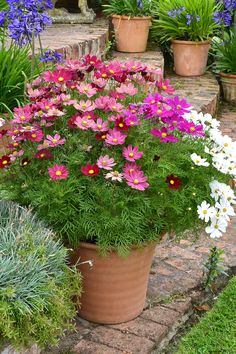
[[92, 246], [124, 17], [179, 41], [230, 76]]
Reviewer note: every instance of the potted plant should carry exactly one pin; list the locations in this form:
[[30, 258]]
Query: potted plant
[[225, 64], [189, 25], [131, 21], [36, 283], [111, 167]]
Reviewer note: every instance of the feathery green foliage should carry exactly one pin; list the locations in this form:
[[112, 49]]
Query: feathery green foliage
[[128, 8], [36, 285], [168, 25], [225, 53]]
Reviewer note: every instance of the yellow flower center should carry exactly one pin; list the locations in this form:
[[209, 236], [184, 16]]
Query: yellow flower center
[[114, 108], [92, 62], [60, 79], [91, 172], [25, 163], [153, 101], [28, 127], [224, 210], [226, 144], [131, 123], [133, 110], [131, 154], [178, 106], [84, 105], [121, 125], [134, 67], [104, 163], [16, 131], [89, 117], [159, 111], [33, 135], [174, 122], [216, 226], [22, 118], [58, 173], [114, 140], [84, 122], [4, 162], [54, 141], [99, 126], [15, 153], [111, 71], [204, 212], [47, 107], [164, 87], [163, 135], [104, 75], [172, 181], [42, 155], [103, 136], [136, 181], [15, 144], [192, 129]]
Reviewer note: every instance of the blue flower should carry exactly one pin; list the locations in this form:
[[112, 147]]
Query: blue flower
[[223, 18], [189, 19], [51, 56], [140, 4], [2, 18]]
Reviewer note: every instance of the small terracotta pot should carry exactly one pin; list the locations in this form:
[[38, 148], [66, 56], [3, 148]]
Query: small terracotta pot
[[190, 58], [228, 82], [131, 33], [114, 288]]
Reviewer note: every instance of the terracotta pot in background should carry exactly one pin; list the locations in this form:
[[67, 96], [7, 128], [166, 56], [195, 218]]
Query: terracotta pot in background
[[190, 58], [131, 33], [114, 288], [228, 82]]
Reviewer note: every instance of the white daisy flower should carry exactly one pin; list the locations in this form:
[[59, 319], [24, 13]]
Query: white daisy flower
[[115, 176], [205, 211], [225, 209], [217, 227], [198, 160]]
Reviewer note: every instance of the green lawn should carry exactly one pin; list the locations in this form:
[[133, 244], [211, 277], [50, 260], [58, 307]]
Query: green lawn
[[216, 332]]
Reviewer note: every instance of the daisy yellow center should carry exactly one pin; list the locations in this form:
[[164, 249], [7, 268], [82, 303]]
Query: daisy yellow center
[[131, 154], [178, 106], [4, 162], [104, 75], [159, 111], [172, 181], [91, 172], [61, 79], [164, 87], [224, 210], [197, 161], [226, 144], [136, 181], [111, 71], [22, 118], [216, 226], [54, 141], [121, 125], [33, 135], [163, 135], [204, 212], [58, 173], [192, 129], [114, 140]]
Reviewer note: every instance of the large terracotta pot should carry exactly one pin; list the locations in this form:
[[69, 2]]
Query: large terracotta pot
[[228, 82], [190, 58], [114, 288], [131, 33]]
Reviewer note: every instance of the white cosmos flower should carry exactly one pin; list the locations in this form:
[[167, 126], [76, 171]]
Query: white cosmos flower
[[115, 176], [222, 190], [225, 209], [217, 227], [198, 160], [205, 211]]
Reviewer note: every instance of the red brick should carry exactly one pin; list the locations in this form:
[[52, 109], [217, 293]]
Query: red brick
[[143, 328], [88, 347], [182, 306], [161, 315], [125, 342]]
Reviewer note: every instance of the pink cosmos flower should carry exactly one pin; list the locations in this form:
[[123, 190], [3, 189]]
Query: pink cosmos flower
[[22, 114], [105, 162], [136, 180], [132, 121], [191, 128], [45, 104], [134, 66], [117, 95], [179, 106], [85, 106], [115, 137], [58, 172], [34, 135], [66, 100], [54, 112], [99, 125], [128, 89], [131, 153], [165, 86], [114, 106], [15, 154], [58, 76], [99, 83], [87, 89], [114, 68], [83, 123], [131, 167], [55, 140], [102, 102], [164, 136]]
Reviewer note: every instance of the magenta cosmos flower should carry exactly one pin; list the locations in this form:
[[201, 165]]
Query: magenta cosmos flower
[[105, 162], [164, 136], [131, 153], [53, 141], [136, 180], [58, 172], [115, 137]]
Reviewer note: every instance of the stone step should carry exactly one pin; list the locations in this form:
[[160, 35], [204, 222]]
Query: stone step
[[76, 40]]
